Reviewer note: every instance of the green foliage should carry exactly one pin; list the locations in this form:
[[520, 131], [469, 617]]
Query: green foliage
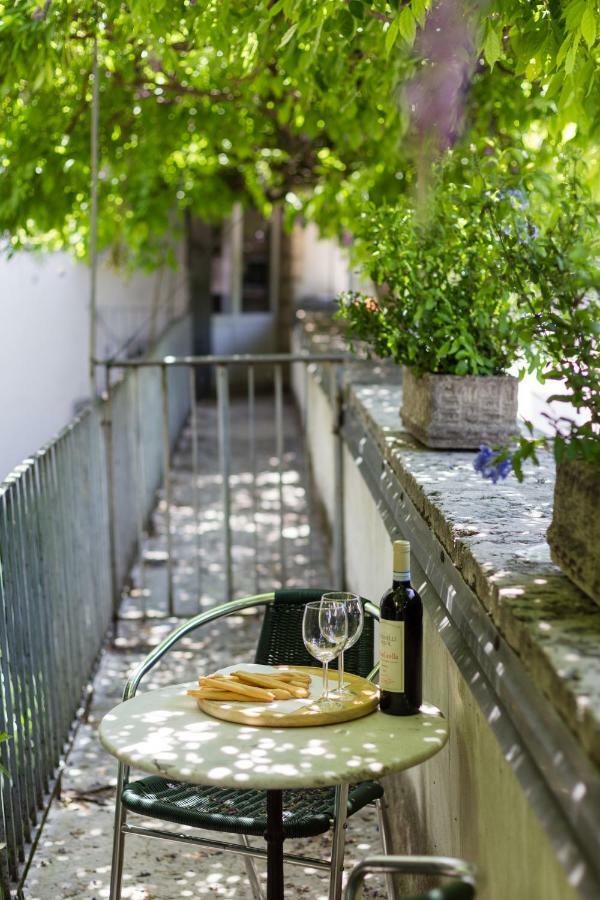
[[201, 105], [294, 100], [555, 48], [447, 299]]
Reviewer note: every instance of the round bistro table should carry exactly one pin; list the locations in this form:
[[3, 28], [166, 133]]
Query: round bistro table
[[163, 732]]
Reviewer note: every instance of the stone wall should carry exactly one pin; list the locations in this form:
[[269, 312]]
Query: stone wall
[[510, 646]]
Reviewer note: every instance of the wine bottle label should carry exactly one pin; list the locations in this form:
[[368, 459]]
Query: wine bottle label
[[391, 656]]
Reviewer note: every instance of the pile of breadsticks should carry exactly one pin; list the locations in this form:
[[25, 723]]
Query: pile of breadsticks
[[251, 687]]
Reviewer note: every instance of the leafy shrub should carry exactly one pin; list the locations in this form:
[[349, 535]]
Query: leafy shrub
[[445, 300]]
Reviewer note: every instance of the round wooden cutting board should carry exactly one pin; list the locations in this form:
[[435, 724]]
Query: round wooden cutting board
[[290, 714]]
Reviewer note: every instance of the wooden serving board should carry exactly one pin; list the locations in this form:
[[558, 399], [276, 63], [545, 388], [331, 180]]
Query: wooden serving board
[[364, 699]]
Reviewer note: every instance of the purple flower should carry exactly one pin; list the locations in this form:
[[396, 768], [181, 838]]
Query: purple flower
[[488, 464]]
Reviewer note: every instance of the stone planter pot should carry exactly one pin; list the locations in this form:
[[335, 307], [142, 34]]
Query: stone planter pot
[[457, 412], [574, 535]]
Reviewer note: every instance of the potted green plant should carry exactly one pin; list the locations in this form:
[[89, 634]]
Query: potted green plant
[[445, 310]]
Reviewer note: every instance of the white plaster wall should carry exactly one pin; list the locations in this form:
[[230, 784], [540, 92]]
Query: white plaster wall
[[320, 267], [44, 322]]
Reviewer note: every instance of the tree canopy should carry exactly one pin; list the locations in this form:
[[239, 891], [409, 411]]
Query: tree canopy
[[301, 101]]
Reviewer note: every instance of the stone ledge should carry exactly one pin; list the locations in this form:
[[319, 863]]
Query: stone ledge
[[495, 536]]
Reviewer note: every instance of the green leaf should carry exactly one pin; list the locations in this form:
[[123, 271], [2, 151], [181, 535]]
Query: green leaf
[[407, 25], [346, 24], [276, 8], [571, 56], [554, 85], [419, 8], [588, 25], [391, 35], [288, 35], [492, 48], [357, 9]]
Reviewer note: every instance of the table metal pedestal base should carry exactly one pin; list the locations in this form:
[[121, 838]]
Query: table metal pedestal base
[[274, 839]]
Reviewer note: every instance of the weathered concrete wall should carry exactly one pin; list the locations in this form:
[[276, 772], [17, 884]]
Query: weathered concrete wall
[[466, 801]]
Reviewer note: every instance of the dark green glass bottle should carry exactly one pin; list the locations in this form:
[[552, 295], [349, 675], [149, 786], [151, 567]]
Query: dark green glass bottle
[[401, 641]]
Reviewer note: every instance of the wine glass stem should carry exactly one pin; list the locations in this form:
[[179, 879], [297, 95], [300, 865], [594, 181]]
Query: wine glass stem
[[325, 681], [341, 673]]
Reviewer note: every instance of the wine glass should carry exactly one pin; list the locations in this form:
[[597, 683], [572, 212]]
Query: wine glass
[[324, 631], [356, 618]]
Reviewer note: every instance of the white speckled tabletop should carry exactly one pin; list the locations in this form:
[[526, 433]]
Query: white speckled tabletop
[[163, 732]]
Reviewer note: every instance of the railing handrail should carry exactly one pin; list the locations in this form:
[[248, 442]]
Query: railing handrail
[[226, 360]]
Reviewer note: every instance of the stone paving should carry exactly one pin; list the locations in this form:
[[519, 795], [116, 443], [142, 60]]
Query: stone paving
[[74, 854]]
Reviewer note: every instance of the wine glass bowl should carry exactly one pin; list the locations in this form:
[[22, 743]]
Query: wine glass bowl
[[325, 632], [356, 619]]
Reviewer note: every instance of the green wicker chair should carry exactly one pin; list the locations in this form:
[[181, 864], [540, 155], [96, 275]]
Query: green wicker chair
[[446, 867], [243, 812]]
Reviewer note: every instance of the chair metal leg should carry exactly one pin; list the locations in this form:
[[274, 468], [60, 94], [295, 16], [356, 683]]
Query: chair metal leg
[[251, 872], [386, 841], [339, 837], [116, 870]]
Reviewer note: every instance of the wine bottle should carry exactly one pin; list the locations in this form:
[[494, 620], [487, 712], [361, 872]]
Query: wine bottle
[[400, 640]]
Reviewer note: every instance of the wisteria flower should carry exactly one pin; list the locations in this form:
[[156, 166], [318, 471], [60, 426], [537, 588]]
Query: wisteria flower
[[489, 464]]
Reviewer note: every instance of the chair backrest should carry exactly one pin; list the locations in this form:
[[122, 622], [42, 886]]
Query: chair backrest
[[281, 643]]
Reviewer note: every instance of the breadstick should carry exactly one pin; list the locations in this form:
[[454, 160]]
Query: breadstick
[[220, 683], [271, 683], [289, 675], [207, 694], [261, 680]]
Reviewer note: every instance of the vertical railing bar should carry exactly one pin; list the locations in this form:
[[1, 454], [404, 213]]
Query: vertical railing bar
[[107, 422], [45, 614], [140, 487], [253, 486], [83, 502], [224, 466], [101, 558], [62, 554], [33, 509], [336, 397], [17, 681], [33, 649], [10, 787], [75, 596], [164, 387], [72, 591], [195, 476], [52, 593], [84, 508], [24, 649], [307, 461], [279, 442]]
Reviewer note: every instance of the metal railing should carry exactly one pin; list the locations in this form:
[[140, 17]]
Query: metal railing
[[158, 394], [76, 515], [57, 599], [55, 609]]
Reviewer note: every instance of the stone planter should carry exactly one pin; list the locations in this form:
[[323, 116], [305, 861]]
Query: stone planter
[[457, 412], [574, 535]]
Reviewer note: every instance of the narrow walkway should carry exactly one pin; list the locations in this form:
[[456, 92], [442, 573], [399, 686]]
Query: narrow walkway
[[73, 858]]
